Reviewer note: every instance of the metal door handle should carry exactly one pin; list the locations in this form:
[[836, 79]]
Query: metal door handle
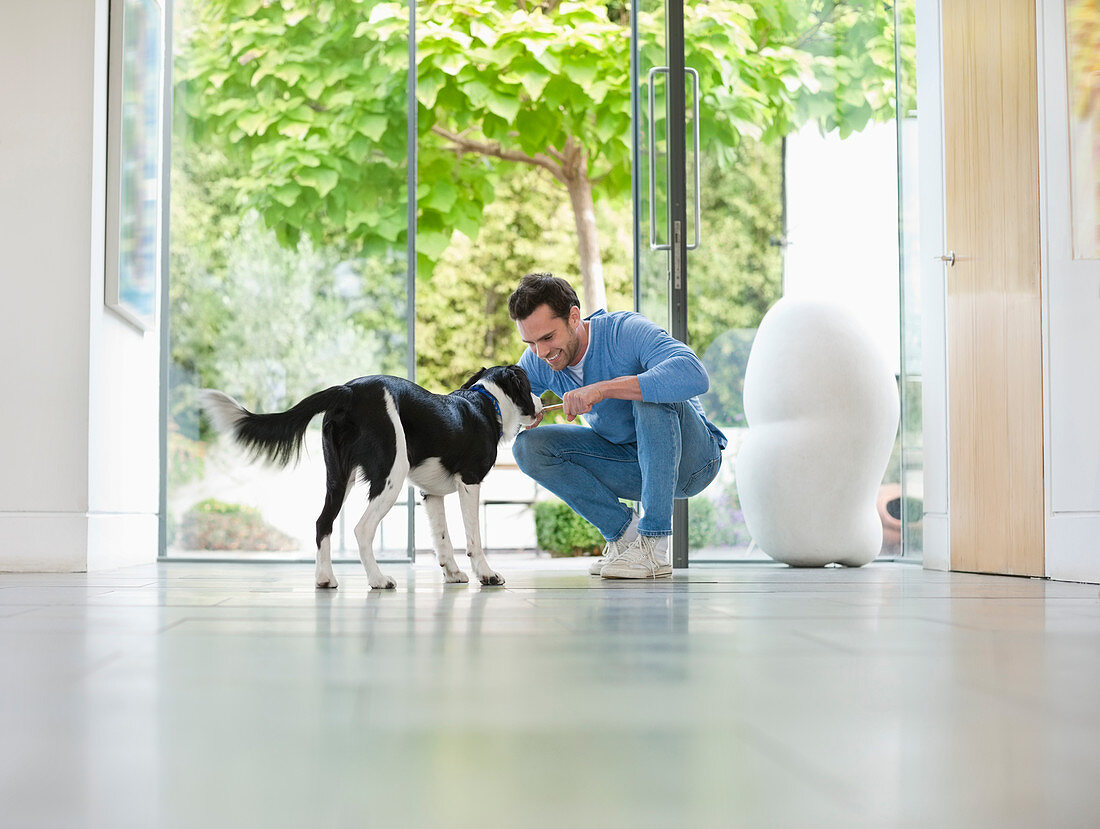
[[695, 138], [653, 161], [698, 233], [949, 258]]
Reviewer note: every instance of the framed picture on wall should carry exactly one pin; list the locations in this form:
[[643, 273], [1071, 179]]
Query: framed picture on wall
[[135, 159]]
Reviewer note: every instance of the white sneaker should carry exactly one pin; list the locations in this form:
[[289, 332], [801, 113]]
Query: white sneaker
[[614, 548], [637, 561], [611, 552]]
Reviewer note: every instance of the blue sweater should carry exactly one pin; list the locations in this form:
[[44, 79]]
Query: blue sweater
[[625, 344]]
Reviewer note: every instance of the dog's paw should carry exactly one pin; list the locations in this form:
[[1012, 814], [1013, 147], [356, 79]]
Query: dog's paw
[[327, 584], [492, 578], [457, 577], [384, 583]]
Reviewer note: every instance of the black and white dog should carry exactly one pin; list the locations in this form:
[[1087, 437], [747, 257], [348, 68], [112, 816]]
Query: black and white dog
[[382, 430]]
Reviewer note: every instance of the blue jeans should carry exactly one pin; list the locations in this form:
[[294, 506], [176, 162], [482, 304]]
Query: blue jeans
[[676, 456]]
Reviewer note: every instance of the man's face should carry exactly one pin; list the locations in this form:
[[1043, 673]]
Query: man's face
[[551, 338]]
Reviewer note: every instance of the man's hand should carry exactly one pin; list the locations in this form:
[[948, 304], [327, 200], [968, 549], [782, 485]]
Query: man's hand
[[580, 401]]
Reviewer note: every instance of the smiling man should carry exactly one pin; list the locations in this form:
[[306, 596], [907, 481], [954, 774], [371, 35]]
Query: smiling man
[[647, 439]]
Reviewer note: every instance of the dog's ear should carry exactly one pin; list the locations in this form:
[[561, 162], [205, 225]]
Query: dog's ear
[[475, 378]]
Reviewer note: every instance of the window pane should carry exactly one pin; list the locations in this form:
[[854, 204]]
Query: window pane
[[524, 144], [799, 198], [1083, 51], [288, 254]]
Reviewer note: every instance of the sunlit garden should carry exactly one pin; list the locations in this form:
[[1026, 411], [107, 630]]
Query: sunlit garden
[[292, 267]]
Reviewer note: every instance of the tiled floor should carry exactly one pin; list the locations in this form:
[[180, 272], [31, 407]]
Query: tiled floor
[[209, 695]]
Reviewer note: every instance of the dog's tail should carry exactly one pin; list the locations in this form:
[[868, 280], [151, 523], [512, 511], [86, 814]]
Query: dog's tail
[[276, 437]]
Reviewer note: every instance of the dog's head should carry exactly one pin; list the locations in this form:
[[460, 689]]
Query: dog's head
[[510, 386]]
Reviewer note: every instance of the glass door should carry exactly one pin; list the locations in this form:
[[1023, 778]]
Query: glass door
[[766, 153]]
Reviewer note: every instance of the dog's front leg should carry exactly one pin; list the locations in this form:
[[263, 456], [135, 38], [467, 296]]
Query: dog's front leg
[[469, 498], [441, 541]]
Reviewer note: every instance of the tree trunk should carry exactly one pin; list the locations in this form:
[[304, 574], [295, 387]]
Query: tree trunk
[[569, 166], [593, 296]]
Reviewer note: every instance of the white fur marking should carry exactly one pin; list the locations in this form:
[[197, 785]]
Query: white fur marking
[[513, 420], [444, 552], [433, 478], [469, 498], [379, 506], [224, 412], [323, 573]]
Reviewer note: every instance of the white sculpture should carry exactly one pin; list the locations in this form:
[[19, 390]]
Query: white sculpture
[[822, 409]]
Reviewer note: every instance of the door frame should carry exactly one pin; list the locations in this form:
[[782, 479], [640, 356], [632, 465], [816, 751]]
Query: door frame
[[676, 195], [932, 238], [1071, 526]]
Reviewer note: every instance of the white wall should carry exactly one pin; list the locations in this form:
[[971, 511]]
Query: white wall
[[78, 450]]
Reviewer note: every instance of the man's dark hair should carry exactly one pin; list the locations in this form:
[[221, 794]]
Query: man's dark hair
[[537, 289]]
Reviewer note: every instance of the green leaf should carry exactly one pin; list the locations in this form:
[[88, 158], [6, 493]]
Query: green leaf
[[483, 33], [385, 11], [308, 159], [427, 88], [322, 180], [534, 81], [432, 243], [582, 73], [361, 217], [452, 64], [359, 147], [534, 129], [253, 123], [504, 105], [550, 61], [495, 127], [294, 129], [441, 196], [286, 194], [372, 125]]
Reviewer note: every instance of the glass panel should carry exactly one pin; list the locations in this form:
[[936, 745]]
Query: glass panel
[[288, 245], [799, 195], [133, 247], [524, 120], [652, 164], [735, 277], [904, 514], [1083, 52], [288, 252]]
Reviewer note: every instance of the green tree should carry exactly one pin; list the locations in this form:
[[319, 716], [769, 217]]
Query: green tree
[[462, 317], [311, 95]]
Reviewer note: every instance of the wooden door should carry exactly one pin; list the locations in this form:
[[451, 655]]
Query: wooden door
[[994, 332]]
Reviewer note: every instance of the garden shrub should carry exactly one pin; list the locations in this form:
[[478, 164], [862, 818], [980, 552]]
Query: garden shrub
[[561, 532], [216, 525], [702, 523]]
